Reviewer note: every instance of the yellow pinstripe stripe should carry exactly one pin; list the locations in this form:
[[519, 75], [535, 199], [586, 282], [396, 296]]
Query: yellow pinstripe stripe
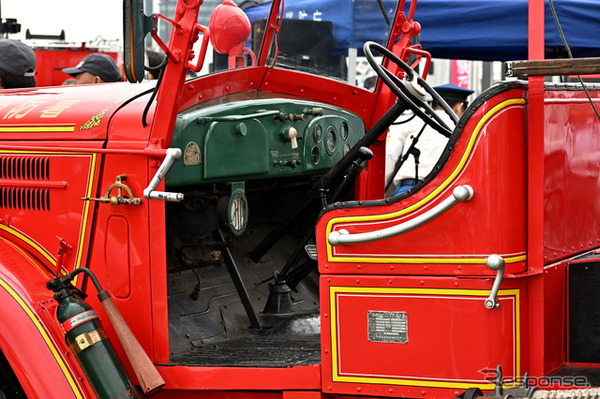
[[418, 291], [37, 129]]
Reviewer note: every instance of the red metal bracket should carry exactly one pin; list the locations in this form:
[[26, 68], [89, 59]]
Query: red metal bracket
[[63, 248]]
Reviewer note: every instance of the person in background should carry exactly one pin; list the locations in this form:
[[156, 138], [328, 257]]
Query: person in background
[[17, 65], [95, 68], [155, 64], [424, 155], [455, 96]]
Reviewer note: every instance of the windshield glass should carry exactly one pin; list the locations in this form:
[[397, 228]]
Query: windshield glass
[[324, 37]]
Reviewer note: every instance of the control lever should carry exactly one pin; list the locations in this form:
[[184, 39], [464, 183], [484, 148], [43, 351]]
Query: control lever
[[291, 134], [495, 262], [364, 154], [173, 154], [119, 198]]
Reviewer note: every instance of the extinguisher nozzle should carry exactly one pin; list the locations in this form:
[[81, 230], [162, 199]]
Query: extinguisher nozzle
[[103, 295]]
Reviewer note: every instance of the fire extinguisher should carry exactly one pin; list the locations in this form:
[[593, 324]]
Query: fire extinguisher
[[90, 345], [94, 352]]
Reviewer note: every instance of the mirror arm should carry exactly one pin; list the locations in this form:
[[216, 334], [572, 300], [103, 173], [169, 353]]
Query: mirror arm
[[162, 45], [153, 29], [154, 33]]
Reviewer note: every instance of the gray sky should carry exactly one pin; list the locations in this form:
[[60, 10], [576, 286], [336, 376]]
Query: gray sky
[[82, 20]]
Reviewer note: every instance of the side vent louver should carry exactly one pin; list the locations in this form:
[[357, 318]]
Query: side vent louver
[[19, 187]]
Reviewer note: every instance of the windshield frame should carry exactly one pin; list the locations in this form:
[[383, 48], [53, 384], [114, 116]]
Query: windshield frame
[[340, 54]]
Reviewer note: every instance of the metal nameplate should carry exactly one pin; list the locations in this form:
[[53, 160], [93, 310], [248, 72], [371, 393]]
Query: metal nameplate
[[191, 155], [388, 327]]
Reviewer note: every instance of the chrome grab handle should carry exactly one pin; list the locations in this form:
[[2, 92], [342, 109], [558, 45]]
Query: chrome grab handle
[[459, 194], [495, 262], [173, 154]]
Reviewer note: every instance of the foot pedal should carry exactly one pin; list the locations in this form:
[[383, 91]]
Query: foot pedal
[[311, 251]]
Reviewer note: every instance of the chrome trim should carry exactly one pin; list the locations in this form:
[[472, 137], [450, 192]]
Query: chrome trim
[[494, 262], [459, 194]]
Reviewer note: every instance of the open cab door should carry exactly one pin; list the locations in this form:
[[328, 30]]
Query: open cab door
[[414, 281]]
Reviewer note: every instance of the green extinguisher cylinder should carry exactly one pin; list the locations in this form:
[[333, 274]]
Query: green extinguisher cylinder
[[93, 350]]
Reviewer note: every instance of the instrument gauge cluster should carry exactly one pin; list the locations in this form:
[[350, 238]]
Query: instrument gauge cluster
[[329, 138]]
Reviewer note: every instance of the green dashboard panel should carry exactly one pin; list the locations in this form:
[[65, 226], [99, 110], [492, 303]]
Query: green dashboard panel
[[257, 139]]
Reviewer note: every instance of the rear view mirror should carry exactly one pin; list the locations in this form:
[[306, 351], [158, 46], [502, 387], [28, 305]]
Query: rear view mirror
[[136, 25]]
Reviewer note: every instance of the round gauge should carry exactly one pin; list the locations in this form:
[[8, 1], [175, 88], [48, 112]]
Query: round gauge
[[238, 214], [346, 148], [344, 131], [315, 155], [330, 139], [318, 133]]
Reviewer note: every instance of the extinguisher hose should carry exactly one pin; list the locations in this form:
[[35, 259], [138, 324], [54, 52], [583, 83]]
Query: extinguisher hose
[[59, 282]]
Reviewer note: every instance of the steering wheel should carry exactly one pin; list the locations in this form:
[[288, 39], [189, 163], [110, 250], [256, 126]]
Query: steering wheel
[[410, 90]]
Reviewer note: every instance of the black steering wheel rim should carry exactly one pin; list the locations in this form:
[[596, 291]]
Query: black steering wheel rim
[[405, 93]]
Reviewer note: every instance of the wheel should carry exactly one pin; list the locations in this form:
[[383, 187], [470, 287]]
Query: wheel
[[410, 91]]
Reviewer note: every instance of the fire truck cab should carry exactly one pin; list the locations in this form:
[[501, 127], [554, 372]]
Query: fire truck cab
[[228, 236]]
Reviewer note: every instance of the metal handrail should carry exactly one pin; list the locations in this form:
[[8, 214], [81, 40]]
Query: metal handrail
[[459, 194]]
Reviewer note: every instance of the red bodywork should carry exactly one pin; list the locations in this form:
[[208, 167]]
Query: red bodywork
[[526, 150]]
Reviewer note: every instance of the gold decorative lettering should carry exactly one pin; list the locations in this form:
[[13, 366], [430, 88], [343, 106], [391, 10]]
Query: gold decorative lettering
[[22, 109], [55, 109], [4, 105]]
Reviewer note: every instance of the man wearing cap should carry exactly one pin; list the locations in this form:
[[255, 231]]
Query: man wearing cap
[[430, 144], [95, 68], [455, 96], [17, 65]]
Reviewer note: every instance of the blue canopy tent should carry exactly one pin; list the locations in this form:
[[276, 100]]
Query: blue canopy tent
[[354, 21], [467, 29]]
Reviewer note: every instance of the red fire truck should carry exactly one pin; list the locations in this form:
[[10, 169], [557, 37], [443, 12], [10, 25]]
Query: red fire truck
[[228, 236]]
